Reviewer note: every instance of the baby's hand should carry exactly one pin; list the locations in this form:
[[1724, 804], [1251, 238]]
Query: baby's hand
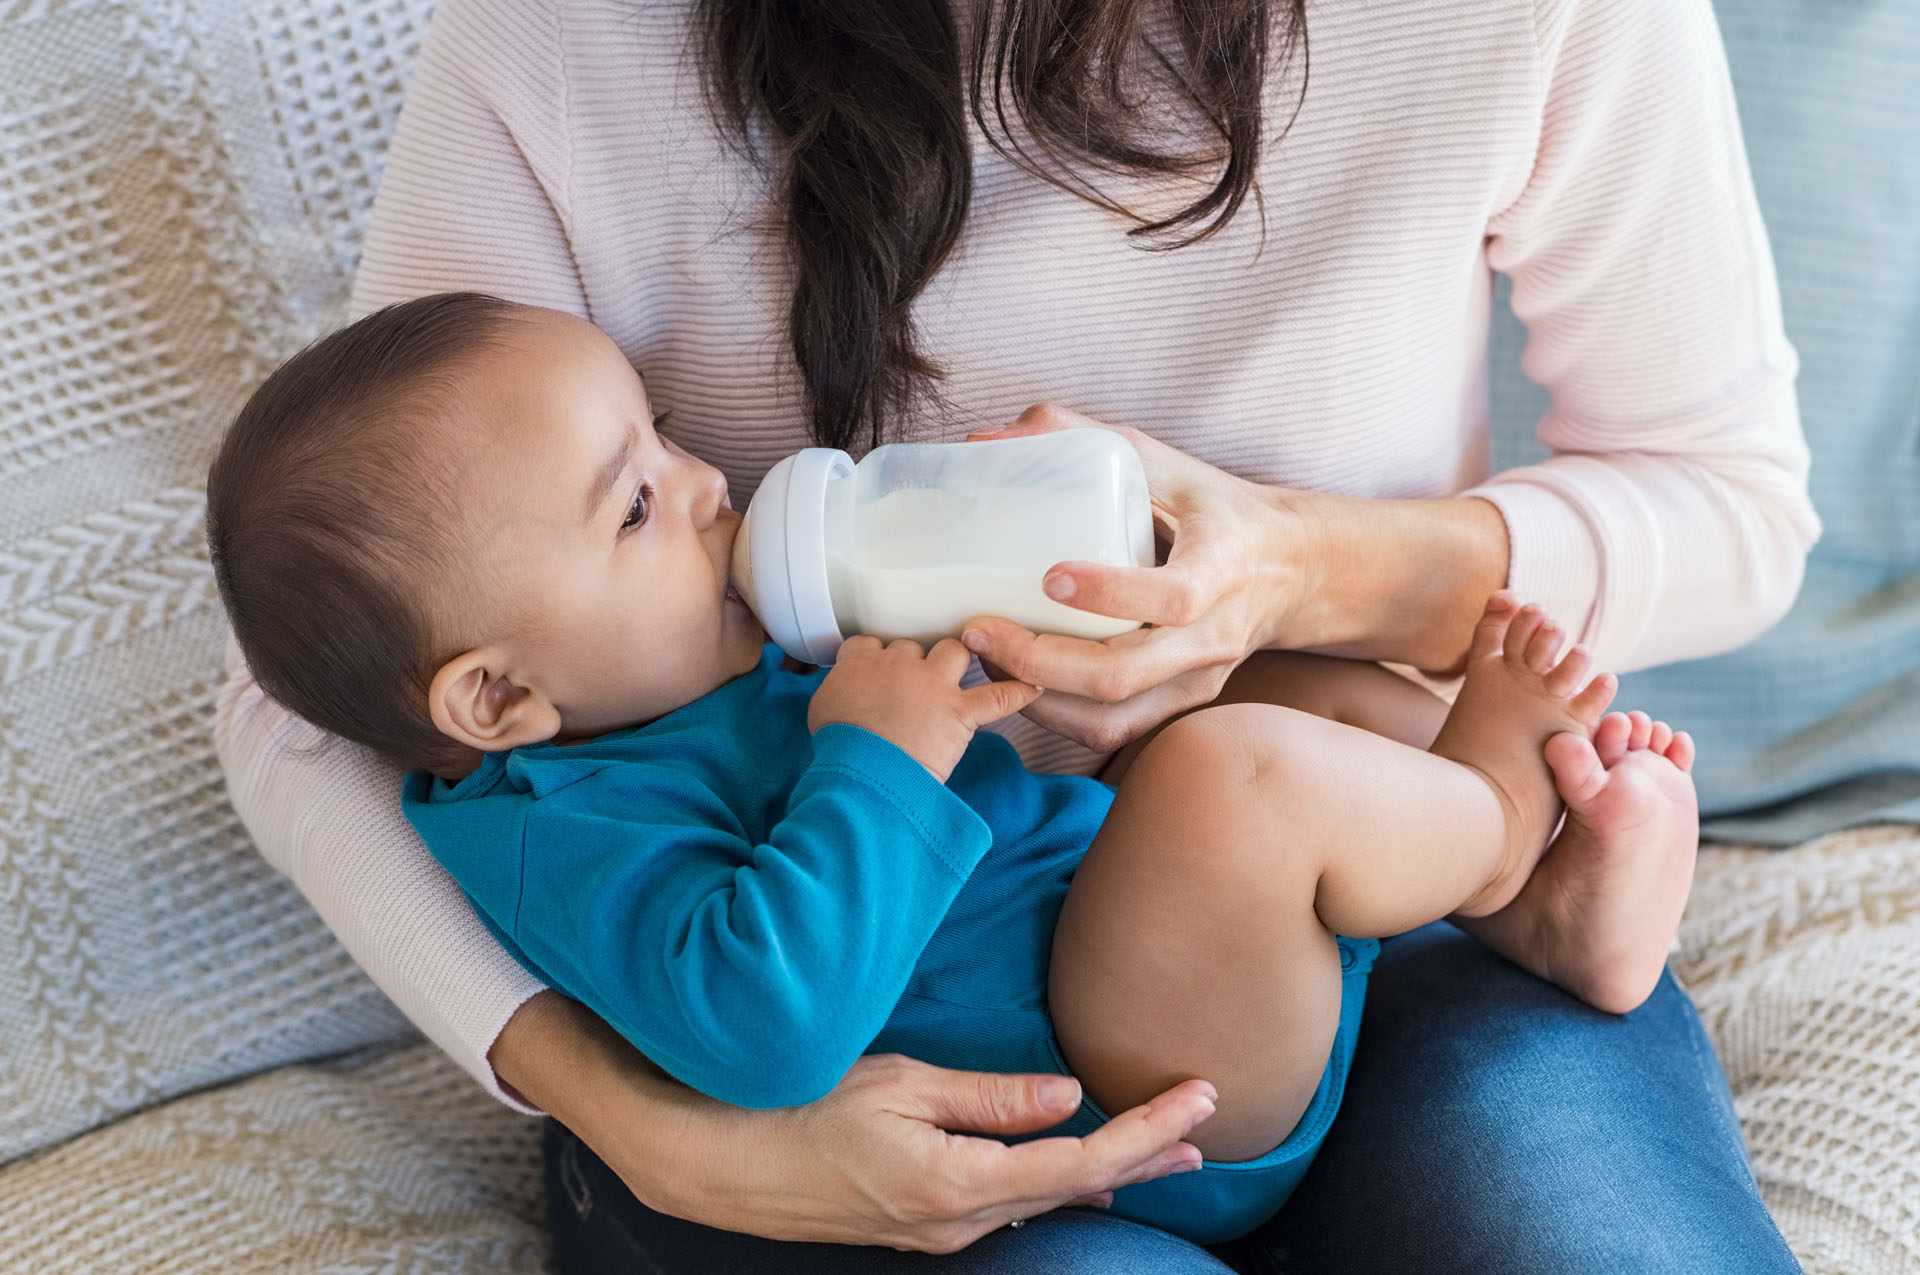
[[913, 699]]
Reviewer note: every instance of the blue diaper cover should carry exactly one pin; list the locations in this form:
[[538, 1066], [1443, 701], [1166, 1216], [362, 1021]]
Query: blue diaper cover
[[977, 1002]]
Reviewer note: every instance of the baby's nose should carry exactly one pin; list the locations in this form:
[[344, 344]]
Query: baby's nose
[[712, 497]]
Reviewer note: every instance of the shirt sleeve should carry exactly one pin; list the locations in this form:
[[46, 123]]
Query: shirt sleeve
[[756, 973], [1673, 520], [327, 813], [473, 197]]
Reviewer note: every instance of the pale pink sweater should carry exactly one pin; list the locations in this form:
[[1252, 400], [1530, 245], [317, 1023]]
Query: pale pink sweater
[[558, 152]]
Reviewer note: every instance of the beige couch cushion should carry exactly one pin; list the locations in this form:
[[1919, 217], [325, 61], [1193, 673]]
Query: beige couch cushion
[[182, 190], [386, 1161]]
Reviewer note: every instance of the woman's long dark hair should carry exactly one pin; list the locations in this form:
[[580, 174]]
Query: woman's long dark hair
[[866, 108]]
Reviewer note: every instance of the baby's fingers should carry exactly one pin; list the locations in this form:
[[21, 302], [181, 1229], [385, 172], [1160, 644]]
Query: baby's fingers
[[949, 659], [992, 701]]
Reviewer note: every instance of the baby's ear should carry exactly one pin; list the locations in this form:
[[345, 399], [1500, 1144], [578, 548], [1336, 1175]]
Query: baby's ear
[[474, 703]]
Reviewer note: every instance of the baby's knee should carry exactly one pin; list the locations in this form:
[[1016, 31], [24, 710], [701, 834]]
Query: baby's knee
[[1252, 747]]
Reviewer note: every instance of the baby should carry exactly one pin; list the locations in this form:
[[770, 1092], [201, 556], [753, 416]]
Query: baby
[[451, 532]]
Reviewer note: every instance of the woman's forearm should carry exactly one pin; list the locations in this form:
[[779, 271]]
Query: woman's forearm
[[559, 1056], [1399, 580], [871, 1163]]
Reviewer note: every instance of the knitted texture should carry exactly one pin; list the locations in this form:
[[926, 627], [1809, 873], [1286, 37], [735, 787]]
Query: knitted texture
[[183, 188], [382, 1162], [1805, 965]]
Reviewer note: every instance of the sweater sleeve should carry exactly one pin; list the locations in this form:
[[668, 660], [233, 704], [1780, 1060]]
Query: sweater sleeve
[[757, 973], [475, 196], [327, 813], [462, 205], [1673, 520]]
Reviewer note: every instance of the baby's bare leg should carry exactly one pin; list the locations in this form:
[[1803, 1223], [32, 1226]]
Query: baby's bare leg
[[1197, 939], [1357, 692]]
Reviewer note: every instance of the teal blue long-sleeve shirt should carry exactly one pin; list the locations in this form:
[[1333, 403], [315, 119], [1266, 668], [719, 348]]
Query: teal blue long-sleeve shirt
[[742, 900]]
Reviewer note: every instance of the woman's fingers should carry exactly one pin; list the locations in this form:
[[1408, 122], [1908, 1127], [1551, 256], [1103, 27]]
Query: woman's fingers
[[1110, 671], [1179, 592], [1106, 728], [986, 1102], [1235, 569], [1135, 1146]]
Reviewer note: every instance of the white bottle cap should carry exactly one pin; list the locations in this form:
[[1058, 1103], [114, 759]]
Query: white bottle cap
[[785, 531]]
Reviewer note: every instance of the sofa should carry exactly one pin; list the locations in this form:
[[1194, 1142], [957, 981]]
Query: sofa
[[194, 1077]]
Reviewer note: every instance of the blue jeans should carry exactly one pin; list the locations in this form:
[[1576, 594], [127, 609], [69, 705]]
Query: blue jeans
[[1492, 1124]]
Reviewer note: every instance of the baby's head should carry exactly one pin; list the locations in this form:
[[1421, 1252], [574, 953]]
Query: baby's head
[[450, 527]]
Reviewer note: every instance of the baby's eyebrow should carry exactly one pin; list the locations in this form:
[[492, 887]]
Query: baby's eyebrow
[[608, 475]]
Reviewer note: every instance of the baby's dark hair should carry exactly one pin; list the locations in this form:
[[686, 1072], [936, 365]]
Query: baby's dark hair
[[327, 522]]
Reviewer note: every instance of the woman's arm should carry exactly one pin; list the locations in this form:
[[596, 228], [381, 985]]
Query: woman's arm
[[1673, 520], [871, 1163], [475, 195], [327, 813]]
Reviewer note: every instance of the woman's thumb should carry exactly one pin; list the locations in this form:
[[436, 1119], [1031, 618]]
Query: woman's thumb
[[982, 1102]]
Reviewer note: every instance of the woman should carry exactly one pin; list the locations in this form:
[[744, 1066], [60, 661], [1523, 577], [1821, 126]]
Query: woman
[[951, 223]]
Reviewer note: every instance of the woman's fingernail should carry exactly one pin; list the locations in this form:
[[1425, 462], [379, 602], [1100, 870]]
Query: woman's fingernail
[[1185, 1166], [1060, 587], [974, 640], [993, 429], [1058, 1093]]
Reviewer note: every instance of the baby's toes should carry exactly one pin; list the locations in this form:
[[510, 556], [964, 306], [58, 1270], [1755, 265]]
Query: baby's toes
[[1568, 675], [1610, 738], [1544, 647], [1642, 730], [1577, 771], [1525, 624], [1593, 701], [1491, 631], [1680, 751], [1661, 737]]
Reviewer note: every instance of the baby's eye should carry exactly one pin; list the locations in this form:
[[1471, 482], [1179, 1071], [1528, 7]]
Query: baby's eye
[[637, 511]]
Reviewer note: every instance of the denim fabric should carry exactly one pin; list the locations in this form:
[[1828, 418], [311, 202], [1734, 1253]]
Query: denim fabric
[[1492, 1125]]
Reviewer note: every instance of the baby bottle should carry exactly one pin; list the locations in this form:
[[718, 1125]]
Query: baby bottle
[[917, 538]]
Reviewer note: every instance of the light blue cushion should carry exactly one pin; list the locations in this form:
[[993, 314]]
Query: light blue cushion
[[1816, 725]]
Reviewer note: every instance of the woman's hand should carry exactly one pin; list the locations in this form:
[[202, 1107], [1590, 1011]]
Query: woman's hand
[[1240, 556], [873, 1162], [1250, 567]]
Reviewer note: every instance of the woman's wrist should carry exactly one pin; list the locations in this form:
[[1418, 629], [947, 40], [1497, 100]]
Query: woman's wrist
[[564, 1059], [1399, 580]]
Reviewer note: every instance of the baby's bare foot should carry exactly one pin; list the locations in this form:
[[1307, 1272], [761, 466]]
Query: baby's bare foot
[[1599, 914], [1518, 695]]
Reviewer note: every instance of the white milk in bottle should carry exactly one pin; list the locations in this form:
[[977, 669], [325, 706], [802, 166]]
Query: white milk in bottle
[[920, 537]]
